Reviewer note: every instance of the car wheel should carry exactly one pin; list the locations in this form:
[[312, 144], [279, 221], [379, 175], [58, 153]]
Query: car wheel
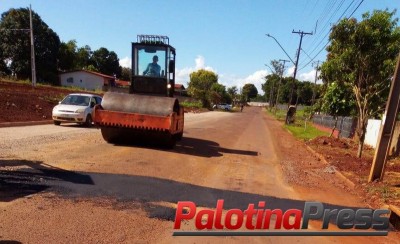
[[89, 121], [56, 122]]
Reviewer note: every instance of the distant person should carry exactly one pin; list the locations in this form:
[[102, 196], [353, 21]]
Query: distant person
[[153, 69], [241, 107]]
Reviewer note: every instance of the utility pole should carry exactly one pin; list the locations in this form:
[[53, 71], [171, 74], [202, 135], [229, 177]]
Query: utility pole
[[32, 49], [302, 33], [386, 132], [280, 80], [315, 83], [33, 67], [271, 93]]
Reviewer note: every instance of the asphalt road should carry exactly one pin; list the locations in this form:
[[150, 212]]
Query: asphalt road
[[65, 184]]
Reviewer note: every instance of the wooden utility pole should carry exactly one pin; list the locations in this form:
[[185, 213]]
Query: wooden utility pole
[[315, 84], [302, 33], [32, 49], [33, 67], [387, 128]]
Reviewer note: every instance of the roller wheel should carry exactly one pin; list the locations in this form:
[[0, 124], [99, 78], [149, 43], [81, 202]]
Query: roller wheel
[[109, 134], [89, 121], [170, 141], [178, 136]]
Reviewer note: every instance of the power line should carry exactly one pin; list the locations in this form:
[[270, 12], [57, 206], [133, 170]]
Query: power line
[[322, 18], [356, 8], [306, 53], [328, 40], [322, 30], [327, 23]]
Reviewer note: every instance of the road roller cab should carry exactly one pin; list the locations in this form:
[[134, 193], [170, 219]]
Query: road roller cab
[[149, 112], [153, 66]]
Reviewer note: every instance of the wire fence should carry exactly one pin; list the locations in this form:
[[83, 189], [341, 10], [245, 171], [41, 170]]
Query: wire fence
[[345, 125]]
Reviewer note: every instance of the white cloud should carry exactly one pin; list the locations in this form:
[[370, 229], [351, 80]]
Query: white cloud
[[257, 78], [308, 76], [182, 75], [200, 64], [289, 71], [228, 80], [125, 62]]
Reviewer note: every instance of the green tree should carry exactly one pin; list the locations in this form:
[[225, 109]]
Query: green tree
[[363, 55], [15, 45], [217, 93], [338, 101], [4, 70], [272, 84], [284, 91], [126, 73], [106, 62], [200, 85], [91, 67], [83, 57], [270, 81], [232, 93], [249, 91], [305, 92], [67, 56]]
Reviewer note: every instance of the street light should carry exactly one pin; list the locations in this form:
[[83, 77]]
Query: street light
[[269, 68], [294, 78], [280, 47], [271, 93]]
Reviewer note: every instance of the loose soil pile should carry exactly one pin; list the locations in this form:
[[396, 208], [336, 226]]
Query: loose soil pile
[[21, 102], [342, 154]]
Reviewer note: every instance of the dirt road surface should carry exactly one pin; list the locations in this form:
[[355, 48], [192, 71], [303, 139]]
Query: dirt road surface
[[66, 185]]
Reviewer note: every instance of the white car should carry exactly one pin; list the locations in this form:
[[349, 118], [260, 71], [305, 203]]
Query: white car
[[76, 107], [223, 106]]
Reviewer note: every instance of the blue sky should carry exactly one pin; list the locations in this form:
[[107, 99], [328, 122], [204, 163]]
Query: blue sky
[[225, 36]]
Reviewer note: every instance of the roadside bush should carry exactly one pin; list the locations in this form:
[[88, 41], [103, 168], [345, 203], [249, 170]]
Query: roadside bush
[[186, 104]]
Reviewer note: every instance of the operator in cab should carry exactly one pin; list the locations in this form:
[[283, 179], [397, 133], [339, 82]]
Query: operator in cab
[[153, 69]]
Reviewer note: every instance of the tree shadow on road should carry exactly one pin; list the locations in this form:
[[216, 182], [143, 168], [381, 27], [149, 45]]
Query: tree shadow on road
[[206, 148], [152, 193], [129, 191], [188, 146], [19, 178]]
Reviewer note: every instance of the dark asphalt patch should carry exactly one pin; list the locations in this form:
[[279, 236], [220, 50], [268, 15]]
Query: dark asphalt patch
[[134, 192]]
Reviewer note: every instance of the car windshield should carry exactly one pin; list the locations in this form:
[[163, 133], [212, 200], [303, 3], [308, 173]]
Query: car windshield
[[76, 100]]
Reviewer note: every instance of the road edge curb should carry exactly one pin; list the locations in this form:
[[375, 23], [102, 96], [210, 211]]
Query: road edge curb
[[25, 123], [349, 183]]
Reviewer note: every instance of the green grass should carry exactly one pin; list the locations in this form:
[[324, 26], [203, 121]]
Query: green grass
[[300, 129], [278, 114], [191, 104], [305, 133]]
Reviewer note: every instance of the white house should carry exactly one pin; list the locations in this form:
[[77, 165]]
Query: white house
[[86, 79], [373, 129]]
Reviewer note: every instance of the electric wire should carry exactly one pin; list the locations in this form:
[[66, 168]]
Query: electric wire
[[328, 40]]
